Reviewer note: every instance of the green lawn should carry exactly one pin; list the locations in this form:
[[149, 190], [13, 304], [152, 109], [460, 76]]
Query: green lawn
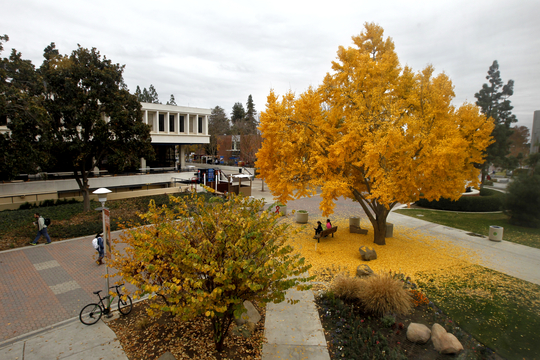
[[478, 223], [500, 311]]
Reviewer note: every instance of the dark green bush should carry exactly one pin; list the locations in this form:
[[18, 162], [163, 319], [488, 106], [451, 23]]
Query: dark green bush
[[489, 200], [522, 203]]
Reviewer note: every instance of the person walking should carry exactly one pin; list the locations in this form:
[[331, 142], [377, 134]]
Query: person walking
[[97, 242], [42, 229]]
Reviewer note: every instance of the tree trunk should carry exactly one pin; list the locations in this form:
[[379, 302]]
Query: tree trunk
[[377, 214], [379, 229]]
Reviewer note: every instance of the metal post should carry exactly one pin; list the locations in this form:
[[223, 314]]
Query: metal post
[[105, 239]]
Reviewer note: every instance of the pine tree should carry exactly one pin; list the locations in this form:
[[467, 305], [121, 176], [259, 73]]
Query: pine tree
[[153, 95], [493, 102], [251, 120], [171, 101]]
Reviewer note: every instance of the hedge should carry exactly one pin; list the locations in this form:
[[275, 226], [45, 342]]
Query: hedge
[[489, 200]]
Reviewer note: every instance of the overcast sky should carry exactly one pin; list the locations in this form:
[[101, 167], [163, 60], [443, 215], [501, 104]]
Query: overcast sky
[[216, 53]]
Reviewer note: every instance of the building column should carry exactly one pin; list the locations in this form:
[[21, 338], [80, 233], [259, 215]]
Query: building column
[[143, 164], [182, 156], [187, 124], [167, 128], [145, 119], [205, 123]]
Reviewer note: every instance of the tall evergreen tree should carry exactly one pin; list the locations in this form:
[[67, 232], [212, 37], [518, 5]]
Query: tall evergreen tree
[[171, 101], [251, 116], [138, 93], [494, 103], [218, 124], [81, 91], [238, 113], [153, 95]]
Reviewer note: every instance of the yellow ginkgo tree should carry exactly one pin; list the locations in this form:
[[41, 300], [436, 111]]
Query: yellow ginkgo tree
[[374, 132]]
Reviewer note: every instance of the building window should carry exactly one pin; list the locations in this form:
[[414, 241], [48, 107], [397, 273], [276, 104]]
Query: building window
[[171, 123], [161, 122], [200, 125], [182, 124]]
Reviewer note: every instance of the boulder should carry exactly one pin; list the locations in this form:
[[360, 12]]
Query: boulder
[[251, 315], [363, 271], [444, 342], [367, 253], [418, 333]]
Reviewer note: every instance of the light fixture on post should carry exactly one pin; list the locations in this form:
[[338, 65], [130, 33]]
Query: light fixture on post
[[102, 197]]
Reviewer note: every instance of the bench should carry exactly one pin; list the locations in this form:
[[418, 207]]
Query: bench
[[326, 233]]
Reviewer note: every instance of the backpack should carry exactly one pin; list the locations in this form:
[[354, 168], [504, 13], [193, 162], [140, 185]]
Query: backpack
[[95, 243], [47, 221]]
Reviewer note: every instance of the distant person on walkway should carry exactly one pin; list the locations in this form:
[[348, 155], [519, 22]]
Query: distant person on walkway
[[97, 243], [328, 224], [42, 229], [318, 229]]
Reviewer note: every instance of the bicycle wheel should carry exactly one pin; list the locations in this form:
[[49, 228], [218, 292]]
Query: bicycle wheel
[[90, 314], [125, 306]]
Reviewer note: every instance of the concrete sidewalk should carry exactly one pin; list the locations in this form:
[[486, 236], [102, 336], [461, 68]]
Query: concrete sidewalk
[[70, 340]]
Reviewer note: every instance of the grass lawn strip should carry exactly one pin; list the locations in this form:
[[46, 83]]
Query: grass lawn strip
[[479, 224], [498, 310]]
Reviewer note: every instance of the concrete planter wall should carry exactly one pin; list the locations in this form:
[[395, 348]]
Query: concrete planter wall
[[302, 217]]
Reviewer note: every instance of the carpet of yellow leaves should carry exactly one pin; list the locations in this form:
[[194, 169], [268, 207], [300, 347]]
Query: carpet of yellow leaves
[[409, 252]]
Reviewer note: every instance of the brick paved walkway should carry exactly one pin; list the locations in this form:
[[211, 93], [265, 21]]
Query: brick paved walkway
[[43, 285]]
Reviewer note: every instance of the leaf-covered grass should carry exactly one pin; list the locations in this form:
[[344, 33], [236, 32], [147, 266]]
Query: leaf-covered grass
[[479, 224], [69, 220], [501, 311]]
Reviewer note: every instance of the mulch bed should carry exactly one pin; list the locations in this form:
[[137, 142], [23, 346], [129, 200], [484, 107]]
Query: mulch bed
[[145, 338], [352, 333]]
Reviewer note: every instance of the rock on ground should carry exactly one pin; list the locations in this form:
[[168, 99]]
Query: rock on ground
[[418, 333]]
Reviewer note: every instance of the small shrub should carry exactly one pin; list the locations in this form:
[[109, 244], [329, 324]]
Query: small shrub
[[383, 294], [302, 211], [346, 287], [388, 321], [419, 298], [489, 200], [522, 202]]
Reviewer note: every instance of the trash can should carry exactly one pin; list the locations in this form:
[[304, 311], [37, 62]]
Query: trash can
[[495, 233]]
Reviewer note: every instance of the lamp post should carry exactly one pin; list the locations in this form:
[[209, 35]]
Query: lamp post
[[102, 197]]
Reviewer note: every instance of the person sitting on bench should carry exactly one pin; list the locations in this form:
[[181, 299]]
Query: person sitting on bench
[[318, 229], [328, 224]]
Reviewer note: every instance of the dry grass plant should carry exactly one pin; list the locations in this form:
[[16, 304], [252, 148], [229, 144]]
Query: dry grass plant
[[382, 294], [346, 287]]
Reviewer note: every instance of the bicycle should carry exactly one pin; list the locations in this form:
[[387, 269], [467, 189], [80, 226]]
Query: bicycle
[[91, 313]]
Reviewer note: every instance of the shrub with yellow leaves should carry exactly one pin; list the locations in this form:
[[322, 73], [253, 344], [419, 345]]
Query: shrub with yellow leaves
[[207, 258]]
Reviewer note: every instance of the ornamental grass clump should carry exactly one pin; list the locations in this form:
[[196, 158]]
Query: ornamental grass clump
[[382, 294], [346, 287]]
